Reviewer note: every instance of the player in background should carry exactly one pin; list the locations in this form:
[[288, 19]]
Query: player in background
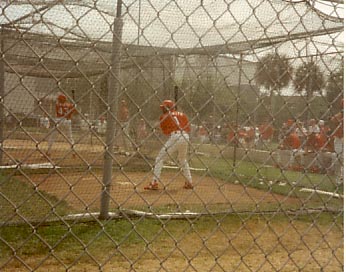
[[338, 134], [142, 132], [302, 134], [291, 142], [176, 125], [202, 133], [320, 146], [313, 131], [122, 134], [64, 111], [266, 133]]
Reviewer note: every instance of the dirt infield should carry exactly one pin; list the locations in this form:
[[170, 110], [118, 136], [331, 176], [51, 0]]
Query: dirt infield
[[81, 190]]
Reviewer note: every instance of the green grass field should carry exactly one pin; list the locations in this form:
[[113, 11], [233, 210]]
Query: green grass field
[[127, 242], [21, 202], [276, 180]]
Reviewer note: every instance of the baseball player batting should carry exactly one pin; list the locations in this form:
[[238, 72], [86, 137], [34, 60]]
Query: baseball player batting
[[64, 111], [175, 125]]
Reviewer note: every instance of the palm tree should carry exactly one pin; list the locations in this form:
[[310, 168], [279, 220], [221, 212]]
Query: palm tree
[[309, 79], [273, 72]]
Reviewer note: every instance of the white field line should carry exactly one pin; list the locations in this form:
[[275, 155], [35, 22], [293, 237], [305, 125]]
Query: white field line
[[46, 165], [177, 215], [321, 192], [191, 168], [86, 215]]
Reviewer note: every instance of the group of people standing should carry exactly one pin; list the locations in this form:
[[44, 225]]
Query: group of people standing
[[311, 140], [317, 138]]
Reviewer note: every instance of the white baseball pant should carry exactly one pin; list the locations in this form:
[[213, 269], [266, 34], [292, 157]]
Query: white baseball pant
[[338, 158], [177, 142], [62, 124]]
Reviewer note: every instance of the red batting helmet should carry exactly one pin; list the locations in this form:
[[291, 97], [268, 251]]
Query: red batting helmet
[[62, 98], [167, 104]]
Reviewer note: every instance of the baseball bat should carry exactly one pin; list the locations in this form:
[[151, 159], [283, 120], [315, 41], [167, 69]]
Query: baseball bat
[[176, 96], [74, 100], [73, 96]]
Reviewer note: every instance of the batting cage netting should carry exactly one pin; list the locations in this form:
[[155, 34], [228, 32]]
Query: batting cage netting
[[161, 135]]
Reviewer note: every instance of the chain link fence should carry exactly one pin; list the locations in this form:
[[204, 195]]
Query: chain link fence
[[82, 84]]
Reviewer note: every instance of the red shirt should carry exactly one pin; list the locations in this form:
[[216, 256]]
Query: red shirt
[[292, 141], [242, 133], [266, 131], [321, 141], [231, 135], [123, 113], [174, 121], [64, 110], [251, 133]]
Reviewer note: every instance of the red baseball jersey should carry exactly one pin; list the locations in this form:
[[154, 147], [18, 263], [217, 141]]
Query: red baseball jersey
[[64, 110], [292, 141], [123, 113], [174, 121], [266, 131], [231, 135], [321, 141]]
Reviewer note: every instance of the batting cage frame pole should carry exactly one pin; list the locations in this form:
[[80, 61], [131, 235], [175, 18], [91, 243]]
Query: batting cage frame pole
[[2, 94], [236, 136], [113, 90]]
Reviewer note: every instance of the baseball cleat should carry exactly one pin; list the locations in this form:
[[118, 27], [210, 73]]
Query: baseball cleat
[[152, 186], [188, 186]]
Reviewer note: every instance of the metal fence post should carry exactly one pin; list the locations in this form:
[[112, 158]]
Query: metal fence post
[[113, 90], [236, 135], [2, 94]]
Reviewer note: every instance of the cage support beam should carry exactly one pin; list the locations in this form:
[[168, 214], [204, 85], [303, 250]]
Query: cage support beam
[[113, 90]]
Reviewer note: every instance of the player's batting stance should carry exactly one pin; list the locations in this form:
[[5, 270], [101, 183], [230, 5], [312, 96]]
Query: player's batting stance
[[64, 111], [175, 125]]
